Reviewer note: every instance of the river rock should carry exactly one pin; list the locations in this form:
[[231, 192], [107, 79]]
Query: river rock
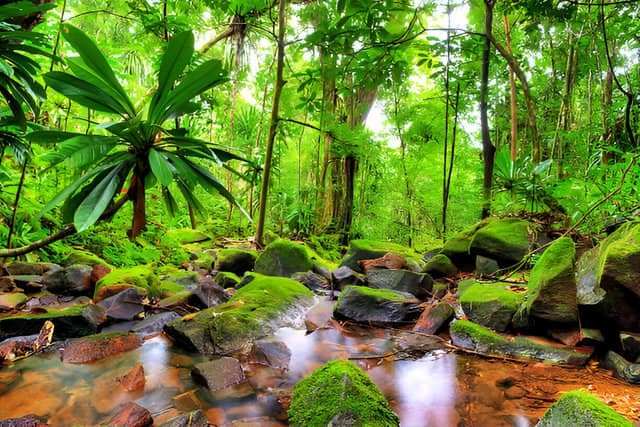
[[74, 321], [99, 346], [622, 368], [371, 249], [237, 261], [343, 276], [272, 353], [209, 294], [490, 305], [311, 280], [578, 408], [475, 337], [226, 279], [362, 304], [255, 311], [339, 394], [134, 380], [125, 305], [72, 280], [191, 419], [434, 317], [506, 240], [283, 258], [30, 268], [630, 345], [219, 373], [154, 323], [440, 266], [132, 415], [417, 284], [389, 260]]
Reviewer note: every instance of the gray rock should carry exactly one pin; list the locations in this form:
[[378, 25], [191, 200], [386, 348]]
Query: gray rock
[[312, 280], [209, 293], [486, 267], [72, 280], [364, 305], [154, 323], [272, 353], [417, 284], [125, 305], [622, 368], [219, 373], [344, 276]]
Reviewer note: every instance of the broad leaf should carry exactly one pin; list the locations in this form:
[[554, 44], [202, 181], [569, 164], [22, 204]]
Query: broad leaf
[[176, 57], [82, 92], [160, 167], [96, 202]]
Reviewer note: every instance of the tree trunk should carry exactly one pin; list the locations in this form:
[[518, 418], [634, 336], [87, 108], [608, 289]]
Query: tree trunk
[[512, 95], [488, 149], [138, 198], [273, 127]]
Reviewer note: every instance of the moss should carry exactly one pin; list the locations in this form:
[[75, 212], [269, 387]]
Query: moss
[[237, 261], [440, 265], [78, 256], [490, 305], [478, 334], [339, 389], [579, 408], [378, 295], [174, 299], [140, 277], [226, 279], [185, 235], [283, 258], [459, 244], [76, 320], [371, 249], [623, 257], [505, 239], [479, 292]]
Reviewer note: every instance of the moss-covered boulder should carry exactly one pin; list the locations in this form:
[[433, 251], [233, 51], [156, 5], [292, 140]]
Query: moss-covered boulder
[[417, 284], [79, 256], [579, 408], [186, 235], [482, 340], [364, 305], [506, 240], [339, 394], [256, 310], [458, 247], [491, 305], [283, 258], [371, 249], [226, 279], [237, 261], [178, 280], [69, 322], [141, 277], [551, 293], [440, 266]]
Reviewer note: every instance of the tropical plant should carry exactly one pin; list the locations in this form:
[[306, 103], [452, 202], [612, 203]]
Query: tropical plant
[[138, 149]]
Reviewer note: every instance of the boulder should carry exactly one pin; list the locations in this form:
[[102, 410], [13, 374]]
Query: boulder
[[578, 408], [630, 343], [72, 280], [237, 261], [74, 321], [195, 418], [30, 268], [457, 248], [482, 340], [390, 261], [255, 311], [434, 317], [134, 380], [208, 294], [132, 415], [339, 394], [344, 276], [486, 267], [312, 281], [78, 256], [364, 305], [140, 277], [622, 368], [506, 240], [272, 353], [440, 266], [100, 346], [226, 279], [370, 249], [125, 305], [219, 373], [490, 305], [551, 292], [417, 284], [283, 258], [154, 323]]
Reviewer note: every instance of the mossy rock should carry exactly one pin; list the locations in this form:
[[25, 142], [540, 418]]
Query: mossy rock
[[237, 261], [140, 277], [478, 338], [371, 249], [458, 247], [179, 280], [339, 393], [284, 258], [418, 284], [206, 259], [186, 235], [440, 266], [506, 240], [255, 311], [490, 305], [551, 292], [364, 305], [579, 408], [227, 279], [12, 299], [75, 321], [83, 257]]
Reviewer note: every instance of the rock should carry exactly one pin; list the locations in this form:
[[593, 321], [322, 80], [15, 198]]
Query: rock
[[475, 337], [98, 272], [154, 323], [573, 337], [364, 305], [134, 380], [389, 260], [417, 284], [7, 284], [440, 266], [30, 268], [69, 322], [237, 261], [209, 294], [27, 421], [226, 279], [515, 392], [630, 372], [190, 419], [344, 276], [125, 305], [206, 260], [369, 249], [83, 257], [486, 267], [186, 235], [490, 305], [99, 346], [9, 301], [457, 248], [72, 280], [272, 353], [186, 280], [434, 317], [132, 415], [630, 345], [339, 394], [312, 281], [140, 277], [578, 408], [506, 240], [255, 311], [551, 293], [283, 258], [219, 373], [319, 315]]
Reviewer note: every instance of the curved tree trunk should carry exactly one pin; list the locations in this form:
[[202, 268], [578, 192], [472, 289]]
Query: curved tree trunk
[[488, 149]]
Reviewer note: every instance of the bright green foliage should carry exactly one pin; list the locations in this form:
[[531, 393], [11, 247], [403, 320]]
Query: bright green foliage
[[579, 408], [339, 392], [490, 305], [84, 257]]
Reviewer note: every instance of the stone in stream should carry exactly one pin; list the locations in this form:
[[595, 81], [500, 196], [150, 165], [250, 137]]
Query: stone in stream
[[255, 311], [363, 305], [630, 345], [100, 346], [490, 305], [208, 294], [319, 315], [440, 266], [132, 415], [74, 321], [343, 276], [434, 317], [313, 281], [190, 419], [622, 368], [578, 408], [134, 380], [219, 373], [283, 258], [125, 305], [27, 421], [271, 352], [475, 337], [369, 249], [417, 284], [154, 323], [339, 394], [237, 261]]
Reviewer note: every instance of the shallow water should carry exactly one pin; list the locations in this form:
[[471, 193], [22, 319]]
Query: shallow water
[[439, 388]]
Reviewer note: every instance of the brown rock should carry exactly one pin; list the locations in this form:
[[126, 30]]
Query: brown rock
[[109, 291], [216, 416], [7, 284], [390, 261], [134, 380], [98, 272], [433, 318], [97, 347], [219, 373], [30, 268], [132, 415]]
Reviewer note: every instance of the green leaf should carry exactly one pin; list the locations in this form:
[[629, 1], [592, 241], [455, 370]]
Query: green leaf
[[169, 201], [96, 202], [51, 136], [81, 151], [5, 68], [176, 57], [83, 93], [160, 167], [14, 106]]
